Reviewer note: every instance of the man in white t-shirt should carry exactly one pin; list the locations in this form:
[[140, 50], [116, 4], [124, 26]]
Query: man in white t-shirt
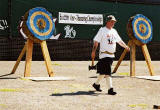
[[107, 37]]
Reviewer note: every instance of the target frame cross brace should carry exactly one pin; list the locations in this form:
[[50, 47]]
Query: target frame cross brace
[[28, 48]]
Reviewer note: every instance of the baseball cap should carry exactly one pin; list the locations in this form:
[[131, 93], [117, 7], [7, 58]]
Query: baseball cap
[[110, 17]]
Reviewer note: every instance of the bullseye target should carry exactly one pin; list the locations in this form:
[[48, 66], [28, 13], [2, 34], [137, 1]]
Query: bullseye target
[[142, 28], [40, 23]]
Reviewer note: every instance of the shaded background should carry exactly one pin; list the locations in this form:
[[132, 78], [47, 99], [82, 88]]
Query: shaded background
[[11, 43]]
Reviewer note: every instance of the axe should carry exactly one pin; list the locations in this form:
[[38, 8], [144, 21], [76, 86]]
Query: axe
[[156, 106]]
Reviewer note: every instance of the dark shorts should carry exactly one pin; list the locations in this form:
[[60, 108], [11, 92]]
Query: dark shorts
[[104, 66]]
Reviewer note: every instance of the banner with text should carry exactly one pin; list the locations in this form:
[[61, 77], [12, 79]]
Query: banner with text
[[77, 18]]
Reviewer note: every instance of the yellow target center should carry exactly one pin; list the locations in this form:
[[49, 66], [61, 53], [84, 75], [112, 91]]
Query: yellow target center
[[41, 23], [142, 28]]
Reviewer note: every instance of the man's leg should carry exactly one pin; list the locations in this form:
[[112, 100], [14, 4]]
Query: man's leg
[[96, 85], [109, 84], [100, 77]]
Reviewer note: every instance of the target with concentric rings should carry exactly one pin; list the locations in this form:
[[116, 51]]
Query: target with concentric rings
[[142, 28], [40, 23]]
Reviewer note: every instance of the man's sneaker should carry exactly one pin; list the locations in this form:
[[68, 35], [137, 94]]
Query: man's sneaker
[[111, 92], [97, 87]]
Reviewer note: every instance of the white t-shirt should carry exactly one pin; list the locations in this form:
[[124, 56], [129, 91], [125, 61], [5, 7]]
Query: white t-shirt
[[107, 39]]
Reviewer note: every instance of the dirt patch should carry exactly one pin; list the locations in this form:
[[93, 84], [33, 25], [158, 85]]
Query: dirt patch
[[18, 93]]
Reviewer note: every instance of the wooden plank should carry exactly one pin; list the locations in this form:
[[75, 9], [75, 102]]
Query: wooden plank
[[29, 49], [47, 58], [58, 78], [19, 59], [153, 78], [132, 59], [121, 58], [148, 59]]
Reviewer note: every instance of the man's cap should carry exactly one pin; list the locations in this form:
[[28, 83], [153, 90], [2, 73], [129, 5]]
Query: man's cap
[[110, 17]]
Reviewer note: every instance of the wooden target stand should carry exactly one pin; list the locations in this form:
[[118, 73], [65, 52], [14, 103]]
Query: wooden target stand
[[28, 48], [132, 44], [139, 29]]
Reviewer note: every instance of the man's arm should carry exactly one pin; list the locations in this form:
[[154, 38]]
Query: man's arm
[[95, 45], [122, 44]]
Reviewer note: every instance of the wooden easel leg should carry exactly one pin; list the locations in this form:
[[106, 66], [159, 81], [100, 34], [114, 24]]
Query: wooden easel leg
[[47, 58], [19, 59], [148, 59], [121, 58], [29, 49], [132, 59]]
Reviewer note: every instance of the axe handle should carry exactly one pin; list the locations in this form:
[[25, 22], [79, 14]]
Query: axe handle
[[92, 62]]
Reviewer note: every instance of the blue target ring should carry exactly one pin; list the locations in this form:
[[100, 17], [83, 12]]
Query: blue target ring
[[40, 23], [140, 32], [142, 28]]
